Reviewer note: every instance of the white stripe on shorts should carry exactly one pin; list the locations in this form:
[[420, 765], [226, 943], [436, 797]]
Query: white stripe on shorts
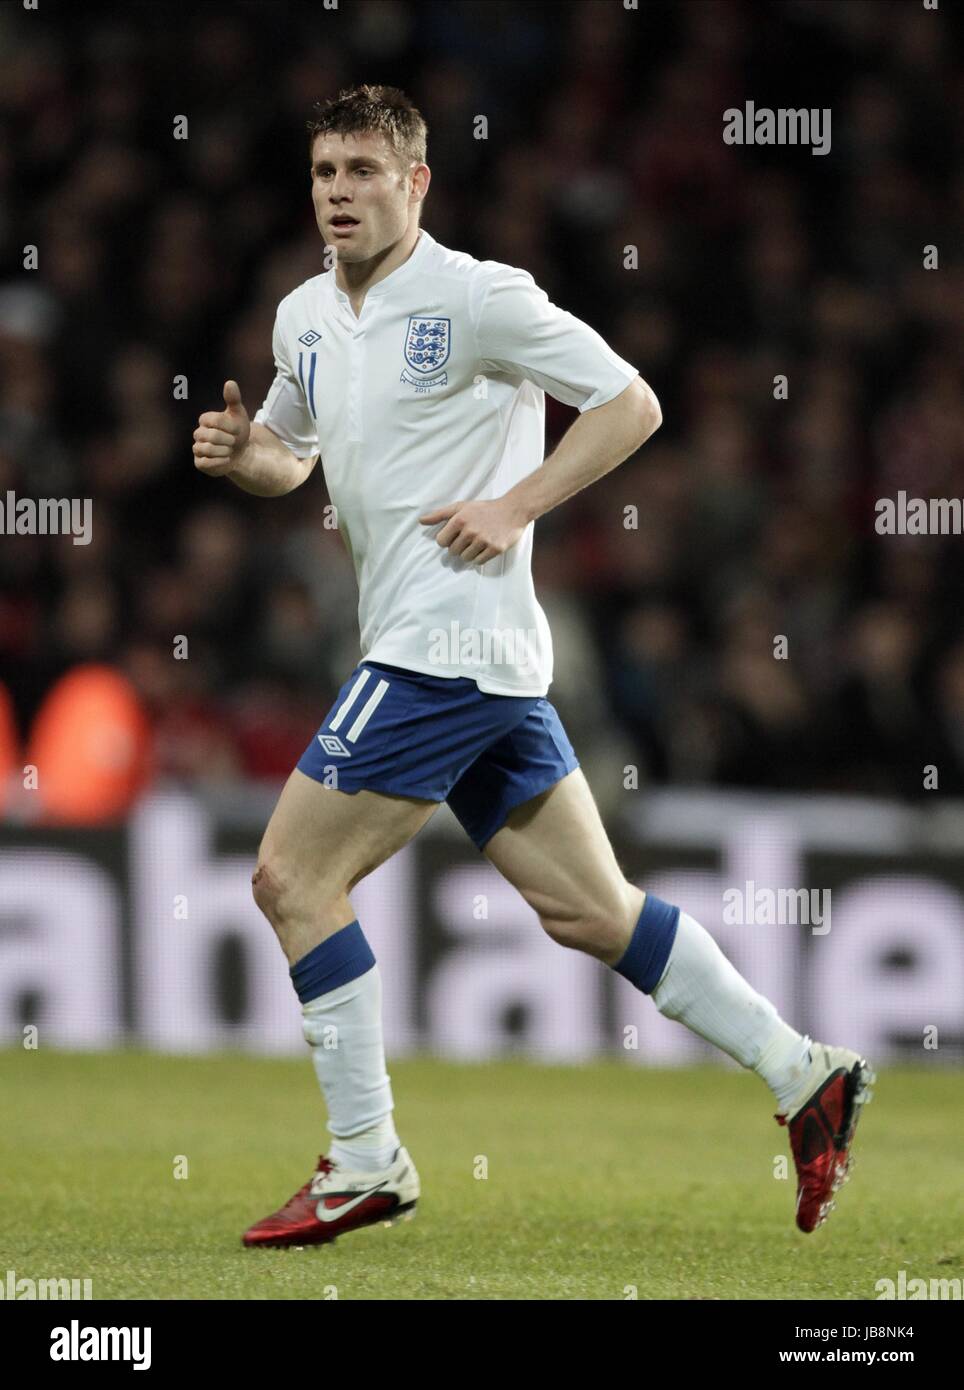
[[371, 705], [349, 699]]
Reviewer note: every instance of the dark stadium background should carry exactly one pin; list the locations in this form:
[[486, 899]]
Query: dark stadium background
[[162, 258]]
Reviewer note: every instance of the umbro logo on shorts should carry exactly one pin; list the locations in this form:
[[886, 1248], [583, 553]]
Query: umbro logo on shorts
[[333, 746]]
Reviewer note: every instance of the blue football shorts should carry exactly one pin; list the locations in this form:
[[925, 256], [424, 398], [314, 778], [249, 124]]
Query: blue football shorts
[[441, 739]]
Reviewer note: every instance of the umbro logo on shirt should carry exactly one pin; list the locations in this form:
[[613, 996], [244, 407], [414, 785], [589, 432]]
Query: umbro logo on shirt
[[310, 338]]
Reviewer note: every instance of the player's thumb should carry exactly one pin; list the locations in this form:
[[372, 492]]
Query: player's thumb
[[232, 396]]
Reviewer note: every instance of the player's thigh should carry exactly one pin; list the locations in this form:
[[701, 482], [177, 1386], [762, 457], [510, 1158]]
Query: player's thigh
[[319, 837], [554, 849]]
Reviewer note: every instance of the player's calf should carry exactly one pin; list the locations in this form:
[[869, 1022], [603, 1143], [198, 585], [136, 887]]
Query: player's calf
[[600, 929]]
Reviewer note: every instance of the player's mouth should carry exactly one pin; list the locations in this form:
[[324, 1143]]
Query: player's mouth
[[343, 223]]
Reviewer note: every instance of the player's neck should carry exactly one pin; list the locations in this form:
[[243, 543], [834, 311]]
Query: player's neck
[[357, 278]]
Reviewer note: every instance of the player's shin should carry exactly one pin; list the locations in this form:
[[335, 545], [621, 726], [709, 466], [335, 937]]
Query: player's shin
[[676, 961], [339, 986]]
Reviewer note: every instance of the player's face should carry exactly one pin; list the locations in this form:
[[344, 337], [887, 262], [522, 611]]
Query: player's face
[[361, 193]]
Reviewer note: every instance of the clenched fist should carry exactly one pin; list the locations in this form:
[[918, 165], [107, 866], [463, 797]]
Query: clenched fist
[[221, 435]]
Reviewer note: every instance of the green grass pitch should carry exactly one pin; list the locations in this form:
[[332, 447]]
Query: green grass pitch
[[601, 1179]]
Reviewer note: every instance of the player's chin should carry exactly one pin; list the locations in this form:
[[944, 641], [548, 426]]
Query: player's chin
[[348, 252]]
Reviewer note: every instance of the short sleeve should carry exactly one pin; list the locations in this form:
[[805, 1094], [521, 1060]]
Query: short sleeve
[[285, 409], [519, 329]]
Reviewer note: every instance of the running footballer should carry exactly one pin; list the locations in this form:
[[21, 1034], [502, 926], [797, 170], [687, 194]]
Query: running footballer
[[416, 375]]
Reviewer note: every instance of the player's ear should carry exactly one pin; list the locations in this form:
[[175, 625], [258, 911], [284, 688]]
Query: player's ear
[[421, 176]]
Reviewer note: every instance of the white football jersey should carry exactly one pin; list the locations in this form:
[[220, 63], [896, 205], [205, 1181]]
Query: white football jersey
[[434, 394]]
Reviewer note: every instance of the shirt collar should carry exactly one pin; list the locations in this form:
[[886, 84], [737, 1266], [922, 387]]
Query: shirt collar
[[399, 276]]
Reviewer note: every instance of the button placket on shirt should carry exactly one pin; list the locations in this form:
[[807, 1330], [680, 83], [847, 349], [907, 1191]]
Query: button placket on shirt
[[356, 366]]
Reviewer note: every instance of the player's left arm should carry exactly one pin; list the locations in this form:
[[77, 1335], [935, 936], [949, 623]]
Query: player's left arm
[[596, 443], [520, 331]]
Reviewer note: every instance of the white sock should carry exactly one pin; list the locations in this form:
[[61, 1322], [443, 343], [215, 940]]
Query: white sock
[[701, 989], [344, 1028]]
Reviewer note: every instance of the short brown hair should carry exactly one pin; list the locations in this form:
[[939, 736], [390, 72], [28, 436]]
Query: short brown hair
[[373, 110]]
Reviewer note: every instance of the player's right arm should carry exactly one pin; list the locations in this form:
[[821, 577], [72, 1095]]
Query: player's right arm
[[228, 444]]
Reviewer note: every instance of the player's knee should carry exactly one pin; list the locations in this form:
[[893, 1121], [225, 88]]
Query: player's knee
[[268, 887], [286, 894]]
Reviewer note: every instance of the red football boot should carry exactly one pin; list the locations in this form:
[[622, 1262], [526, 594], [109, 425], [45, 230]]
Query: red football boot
[[336, 1201], [822, 1129]]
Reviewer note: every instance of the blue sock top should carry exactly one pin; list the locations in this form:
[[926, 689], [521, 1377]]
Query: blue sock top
[[331, 963], [652, 940]]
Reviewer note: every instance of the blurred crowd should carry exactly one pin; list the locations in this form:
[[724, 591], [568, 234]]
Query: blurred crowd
[[161, 258]]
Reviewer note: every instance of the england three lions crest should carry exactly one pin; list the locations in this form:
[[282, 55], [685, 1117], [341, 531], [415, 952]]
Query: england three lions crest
[[427, 347]]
